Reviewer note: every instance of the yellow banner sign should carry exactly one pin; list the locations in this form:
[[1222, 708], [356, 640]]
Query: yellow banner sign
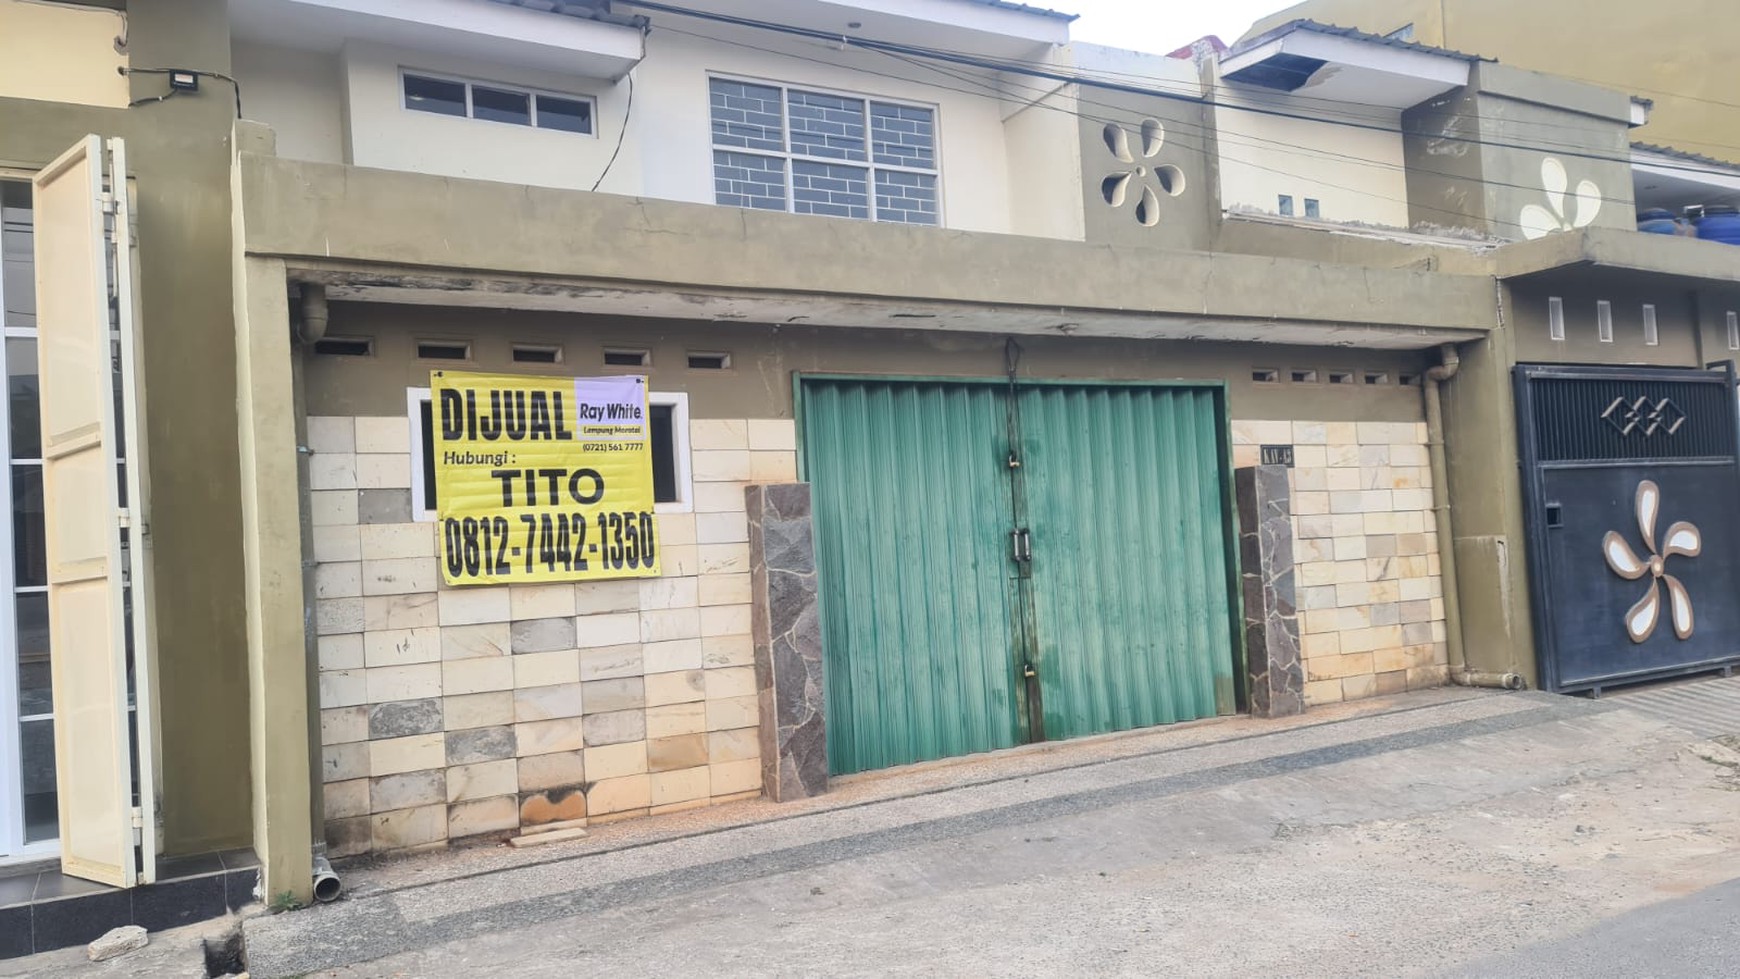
[[542, 479]]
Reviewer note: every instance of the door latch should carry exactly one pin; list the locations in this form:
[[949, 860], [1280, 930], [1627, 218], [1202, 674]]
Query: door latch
[[1028, 672], [1021, 545]]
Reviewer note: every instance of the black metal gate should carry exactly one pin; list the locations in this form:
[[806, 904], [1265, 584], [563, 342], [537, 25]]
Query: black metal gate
[[1632, 486]]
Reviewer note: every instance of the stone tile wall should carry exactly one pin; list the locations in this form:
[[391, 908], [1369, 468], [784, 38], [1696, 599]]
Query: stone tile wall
[[1365, 551], [455, 712]]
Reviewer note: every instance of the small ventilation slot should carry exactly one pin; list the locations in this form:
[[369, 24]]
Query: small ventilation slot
[[1341, 377], [1302, 376], [1266, 375], [622, 357], [1604, 321], [443, 350], [1376, 377], [709, 361], [527, 353], [1408, 380], [1651, 334], [1555, 318], [344, 346]]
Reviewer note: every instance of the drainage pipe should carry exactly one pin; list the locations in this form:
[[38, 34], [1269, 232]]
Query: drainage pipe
[[327, 886], [314, 314], [1460, 674]]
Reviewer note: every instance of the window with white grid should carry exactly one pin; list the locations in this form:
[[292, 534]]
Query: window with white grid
[[780, 148]]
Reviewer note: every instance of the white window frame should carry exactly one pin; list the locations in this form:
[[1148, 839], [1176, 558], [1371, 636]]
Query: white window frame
[[531, 94], [13, 849], [677, 400], [868, 162]]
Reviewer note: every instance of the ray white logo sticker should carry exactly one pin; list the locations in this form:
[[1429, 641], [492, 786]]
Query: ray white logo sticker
[[1682, 539]]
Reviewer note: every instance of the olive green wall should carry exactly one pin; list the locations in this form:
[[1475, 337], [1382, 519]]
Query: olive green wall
[[178, 152], [1187, 219], [1444, 169], [1669, 52], [317, 215], [763, 359], [1247, 235], [1471, 161], [1676, 321]]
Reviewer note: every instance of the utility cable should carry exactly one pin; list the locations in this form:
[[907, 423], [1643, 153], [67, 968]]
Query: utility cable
[[1220, 136], [620, 134], [182, 71], [1079, 79], [1203, 149]]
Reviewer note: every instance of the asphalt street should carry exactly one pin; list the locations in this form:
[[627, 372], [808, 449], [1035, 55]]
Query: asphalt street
[[1494, 835]]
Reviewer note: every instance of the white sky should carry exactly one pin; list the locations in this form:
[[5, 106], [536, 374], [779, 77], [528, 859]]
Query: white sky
[[1159, 26]]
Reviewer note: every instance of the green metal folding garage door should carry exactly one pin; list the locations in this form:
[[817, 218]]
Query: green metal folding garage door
[[998, 569]]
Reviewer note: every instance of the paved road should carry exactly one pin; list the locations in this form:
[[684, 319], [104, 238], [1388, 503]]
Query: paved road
[[1693, 936], [1442, 838]]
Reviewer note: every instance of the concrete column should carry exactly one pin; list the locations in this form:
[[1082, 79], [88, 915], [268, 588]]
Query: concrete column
[[272, 563], [1276, 672], [1486, 506], [788, 642]]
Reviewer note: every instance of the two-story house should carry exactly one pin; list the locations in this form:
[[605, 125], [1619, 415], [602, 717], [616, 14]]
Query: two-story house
[[1033, 328]]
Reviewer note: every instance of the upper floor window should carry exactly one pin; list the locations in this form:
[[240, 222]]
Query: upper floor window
[[497, 103], [790, 149]]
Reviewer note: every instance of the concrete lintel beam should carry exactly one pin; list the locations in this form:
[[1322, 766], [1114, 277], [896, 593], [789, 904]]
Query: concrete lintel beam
[[1668, 255], [314, 212]]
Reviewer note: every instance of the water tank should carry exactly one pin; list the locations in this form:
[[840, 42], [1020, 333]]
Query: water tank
[[1721, 223], [1658, 221]]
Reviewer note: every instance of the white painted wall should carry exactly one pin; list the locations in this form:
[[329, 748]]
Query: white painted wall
[[676, 128], [300, 94], [1045, 175], [348, 107], [1356, 174], [61, 53], [385, 134]]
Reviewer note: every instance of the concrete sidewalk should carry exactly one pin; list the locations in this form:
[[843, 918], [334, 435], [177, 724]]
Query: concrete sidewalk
[[1402, 836]]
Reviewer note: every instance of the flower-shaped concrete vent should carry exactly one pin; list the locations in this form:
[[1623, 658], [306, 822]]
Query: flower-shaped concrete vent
[[1141, 179], [1682, 539], [1538, 221]]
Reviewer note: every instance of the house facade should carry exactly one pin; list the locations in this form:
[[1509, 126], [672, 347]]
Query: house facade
[[1646, 51], [1004, 342]]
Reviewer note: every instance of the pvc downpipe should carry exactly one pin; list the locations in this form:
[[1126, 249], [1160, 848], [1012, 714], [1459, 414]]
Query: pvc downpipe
[[314, 313], [1460, 674]]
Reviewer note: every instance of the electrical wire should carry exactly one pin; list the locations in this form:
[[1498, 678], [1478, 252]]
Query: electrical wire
[[182, 71], [1332, 106], [1079, 79], [1206, 133], [621, 134]]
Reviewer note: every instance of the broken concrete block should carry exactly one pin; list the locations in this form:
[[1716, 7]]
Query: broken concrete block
[[117, 942]]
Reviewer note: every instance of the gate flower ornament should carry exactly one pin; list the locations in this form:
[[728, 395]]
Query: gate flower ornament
[[1538, 221], [1120, 184], [1681, 539]]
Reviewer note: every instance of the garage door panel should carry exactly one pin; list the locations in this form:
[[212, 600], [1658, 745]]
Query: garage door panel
[[912, 510], [1125, 492]]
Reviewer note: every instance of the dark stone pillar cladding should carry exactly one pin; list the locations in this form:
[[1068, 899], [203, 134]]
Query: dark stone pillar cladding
[[1277, 674], [788, 641]]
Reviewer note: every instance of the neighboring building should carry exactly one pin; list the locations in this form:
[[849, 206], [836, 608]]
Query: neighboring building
[[1668, 53], [1025, 319]]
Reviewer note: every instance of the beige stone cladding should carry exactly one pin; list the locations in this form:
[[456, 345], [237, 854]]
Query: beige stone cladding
[[455, 712], [1365, 551]]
